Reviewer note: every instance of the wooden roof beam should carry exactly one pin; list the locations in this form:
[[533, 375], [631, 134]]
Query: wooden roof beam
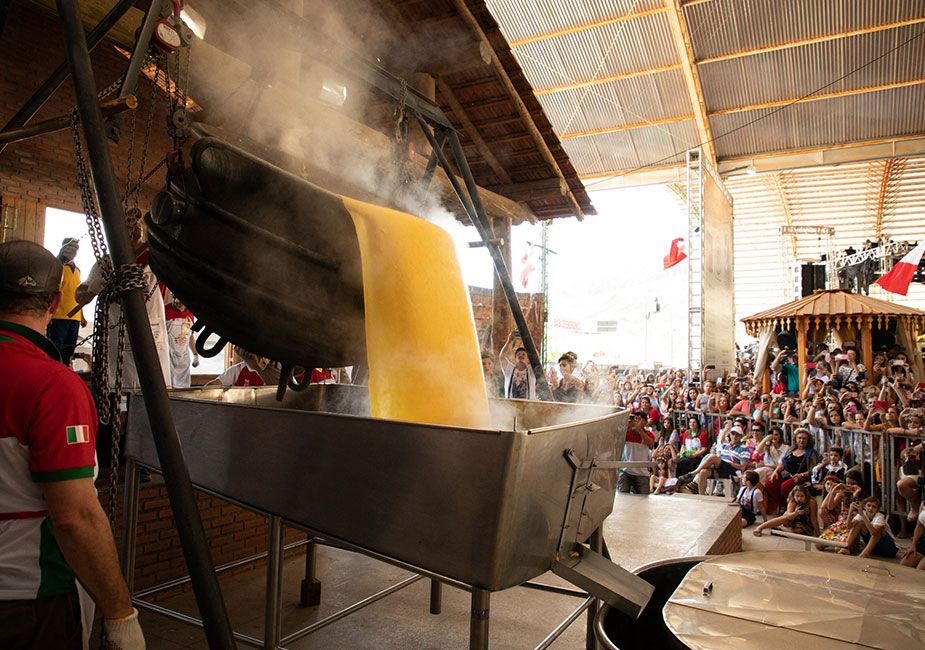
[[685, 51], [811, 41], [615, 20], [886, 198], [518, 101], [484, 150], [531, 190], [599, 81], [819, 97], [624, 127]]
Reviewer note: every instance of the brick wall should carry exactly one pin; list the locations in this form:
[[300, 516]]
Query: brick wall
[[532, 305], [42, 168], [232, 533]]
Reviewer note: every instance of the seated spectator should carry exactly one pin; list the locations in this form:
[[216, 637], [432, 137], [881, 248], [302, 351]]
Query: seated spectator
[[911, 481], [915, 556], [833, 512], [801, 516], [795, 467], [768, 454], [694, 445], [869, 529], [639, 443], [658, 481], [730, 457], [751, 500]]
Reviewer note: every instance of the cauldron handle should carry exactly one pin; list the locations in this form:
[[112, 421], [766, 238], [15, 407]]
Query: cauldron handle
[[201, 343], [296, 384]]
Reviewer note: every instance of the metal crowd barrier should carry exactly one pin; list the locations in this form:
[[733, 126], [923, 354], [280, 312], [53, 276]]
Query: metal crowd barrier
[[876, 454]]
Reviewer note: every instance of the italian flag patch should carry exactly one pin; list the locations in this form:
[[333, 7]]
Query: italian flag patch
[[78, 434]]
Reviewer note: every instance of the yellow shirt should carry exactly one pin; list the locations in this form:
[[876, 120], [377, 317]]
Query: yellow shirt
[[69, 283]]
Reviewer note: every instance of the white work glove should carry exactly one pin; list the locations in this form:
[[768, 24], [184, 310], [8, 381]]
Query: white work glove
[[124, 633]]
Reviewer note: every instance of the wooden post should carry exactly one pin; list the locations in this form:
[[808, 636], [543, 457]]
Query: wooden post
[[502, 321], [867, 348], [802, 325]]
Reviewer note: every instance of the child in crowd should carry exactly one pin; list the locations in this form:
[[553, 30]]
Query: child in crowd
[[832, 462], [751, 500], [658, 481], [833, 513], [870, 527], [801, 516]]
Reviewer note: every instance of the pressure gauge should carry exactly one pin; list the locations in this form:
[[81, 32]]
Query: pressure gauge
[[166, 36]]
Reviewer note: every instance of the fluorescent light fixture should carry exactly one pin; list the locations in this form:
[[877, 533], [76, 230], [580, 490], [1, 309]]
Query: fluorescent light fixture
[[194, 21]]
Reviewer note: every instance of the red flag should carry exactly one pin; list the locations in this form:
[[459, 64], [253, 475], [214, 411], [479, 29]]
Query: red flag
[[898, 278], [676, 254]]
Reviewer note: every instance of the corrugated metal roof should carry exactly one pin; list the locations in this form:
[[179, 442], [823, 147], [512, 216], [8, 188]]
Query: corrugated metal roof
[[630, 149], [798, 71], [844, 119], [520, 19], [843, 197], [723, 26]]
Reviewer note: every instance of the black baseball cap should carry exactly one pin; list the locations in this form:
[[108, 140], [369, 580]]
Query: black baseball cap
[[28, 269]]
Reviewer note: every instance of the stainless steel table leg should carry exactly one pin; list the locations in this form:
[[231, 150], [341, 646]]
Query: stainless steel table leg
[[310, 592], [436, 597], [596, 542], [478, 623], [271, 622]]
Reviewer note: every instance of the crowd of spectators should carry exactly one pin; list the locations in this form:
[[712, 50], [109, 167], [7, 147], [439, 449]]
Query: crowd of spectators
[[810, 459]]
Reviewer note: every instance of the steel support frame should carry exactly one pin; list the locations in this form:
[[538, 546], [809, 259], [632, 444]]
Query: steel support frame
[[276, 548], [176, 476]]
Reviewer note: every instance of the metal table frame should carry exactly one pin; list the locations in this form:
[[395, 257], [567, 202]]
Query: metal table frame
[[310, 593]]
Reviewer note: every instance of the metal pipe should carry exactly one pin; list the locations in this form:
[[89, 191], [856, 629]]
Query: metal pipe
[[436, 597], [176, 582], [479, 619], [176, 475], [314, 627], [135, 63], [191, 620], [274, 583], [433, 160], [129, 522], [553, 589], [596, 542], [542, 388], [310, 591], [40, 96], [564, 625], [62, 122]]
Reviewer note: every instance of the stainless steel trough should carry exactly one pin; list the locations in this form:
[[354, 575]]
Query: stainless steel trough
[[490, 508]]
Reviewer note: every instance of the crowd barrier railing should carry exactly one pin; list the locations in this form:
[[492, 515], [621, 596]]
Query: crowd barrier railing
[[864, 450]]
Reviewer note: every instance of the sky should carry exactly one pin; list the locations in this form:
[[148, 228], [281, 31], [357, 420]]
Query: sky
[[607, 267]]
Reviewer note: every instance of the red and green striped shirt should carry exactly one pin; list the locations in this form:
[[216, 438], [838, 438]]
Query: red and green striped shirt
[[47, 433]]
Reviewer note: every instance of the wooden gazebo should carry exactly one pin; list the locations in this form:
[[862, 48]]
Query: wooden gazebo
[[851, 316]]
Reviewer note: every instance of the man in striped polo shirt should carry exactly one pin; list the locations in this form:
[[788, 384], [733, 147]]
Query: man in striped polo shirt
[[52, 527]]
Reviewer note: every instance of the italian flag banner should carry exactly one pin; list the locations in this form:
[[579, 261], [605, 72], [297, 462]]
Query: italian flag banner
[[898, 279], [78, 434]]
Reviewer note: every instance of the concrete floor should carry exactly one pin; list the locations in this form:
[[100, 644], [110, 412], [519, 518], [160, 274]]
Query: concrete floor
[[640, 531]]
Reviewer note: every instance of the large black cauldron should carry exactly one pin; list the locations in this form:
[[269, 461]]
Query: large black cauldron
[[262, 257]]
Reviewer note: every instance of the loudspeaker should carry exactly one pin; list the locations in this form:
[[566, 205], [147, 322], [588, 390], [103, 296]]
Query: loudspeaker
[[883, 340], [813, 277], [786, 340]]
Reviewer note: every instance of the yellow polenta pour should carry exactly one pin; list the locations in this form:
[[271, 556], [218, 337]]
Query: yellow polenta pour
[[422, 348]]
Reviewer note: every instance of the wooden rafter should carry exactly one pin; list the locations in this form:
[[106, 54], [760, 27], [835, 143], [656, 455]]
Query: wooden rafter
[[819, 97], [777, 185], [886, 197], [585, 27], [685, 51], [598, 81], [484, 150], [518, 101], [624, 127], [810, 41]]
